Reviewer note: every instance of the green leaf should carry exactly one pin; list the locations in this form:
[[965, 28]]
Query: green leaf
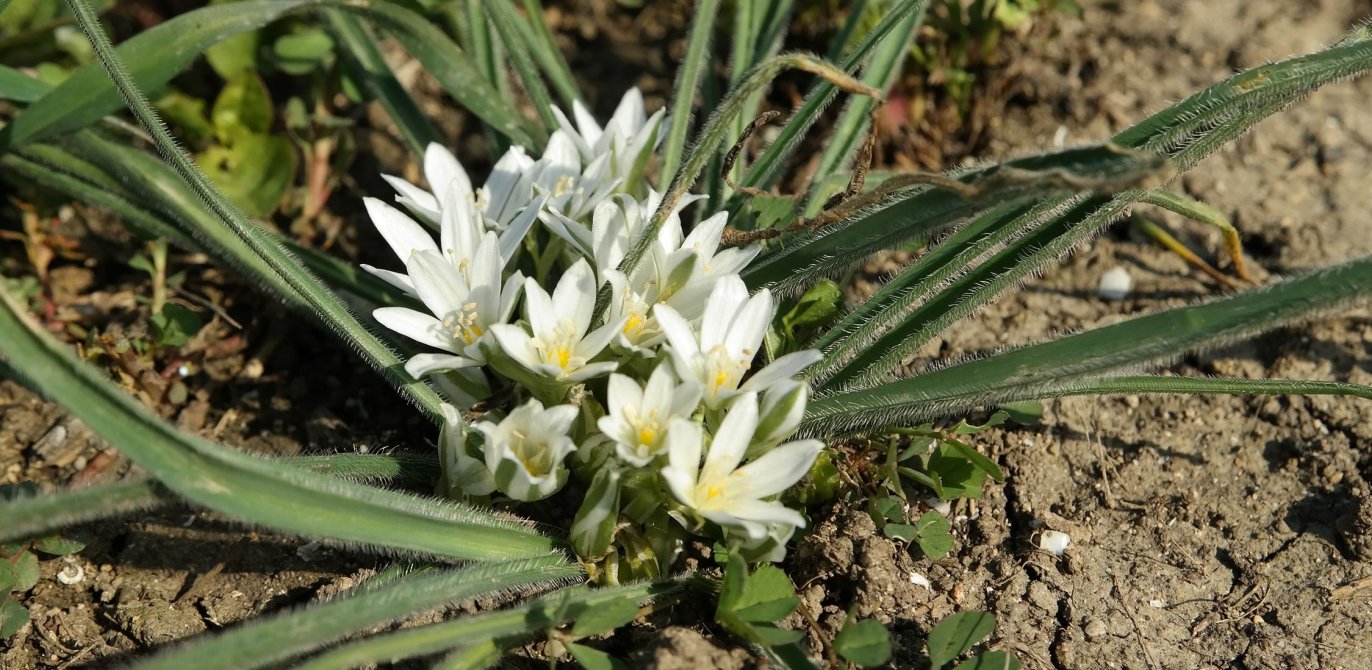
[[991, 660], [302, 52], [250, 488], [45, 514], [688, 77], [976, 458], [605, 617], [271, 640], [243, 107], [866, 643], [175, 325], [152, 58], [767, 596], [13, 616], [1070, 364], [899, 531], [255, 171], [16, 86], [234, 54], [773, 636], [594, 659], [816, 307], [9, 575], [369, 69], [934, 534], [1184, 133], [25, 571], [964, 428], [957, 634], [56, 545], [1025, 413], [186, 113], [959, 476], [513, 623], [885, 509]]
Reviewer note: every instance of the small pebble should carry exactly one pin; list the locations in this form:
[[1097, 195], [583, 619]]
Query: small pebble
[[920, 580], [1115, 284], [1054, 542], [1095, 629]]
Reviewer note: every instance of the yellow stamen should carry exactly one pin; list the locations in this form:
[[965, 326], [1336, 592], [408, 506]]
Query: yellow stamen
[[646, 435], [713, 492], [564, 355]]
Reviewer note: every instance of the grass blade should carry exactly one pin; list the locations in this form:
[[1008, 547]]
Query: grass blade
[[886, 64], [324, 302], [547, 612], [546, 53], [448, 64], [269, 641], [1020, 373], [372, 468], [920, 211], [767, 169], [688, 77], [519, 44], [377, 79], [16, 86], [153, 57], [33, 517], [1185, 133], [249, 488]]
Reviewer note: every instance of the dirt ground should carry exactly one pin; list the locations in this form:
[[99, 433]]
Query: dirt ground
[[1205, 532]]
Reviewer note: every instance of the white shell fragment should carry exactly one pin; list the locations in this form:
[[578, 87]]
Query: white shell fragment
[[920, 580], [1054, 542], [1115, 284], [72, 574]]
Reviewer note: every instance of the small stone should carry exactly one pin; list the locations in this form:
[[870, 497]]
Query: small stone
[[1054, 542], [1115, 284], [1095, 629]]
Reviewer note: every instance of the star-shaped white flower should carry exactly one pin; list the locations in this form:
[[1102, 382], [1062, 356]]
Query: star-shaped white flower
[[638, 417], [629, 134], [730, 336], [560, 347], [464, 304], [720, 490], [526, 449]]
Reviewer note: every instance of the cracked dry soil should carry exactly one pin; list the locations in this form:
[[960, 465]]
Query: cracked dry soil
[[1206, 532]]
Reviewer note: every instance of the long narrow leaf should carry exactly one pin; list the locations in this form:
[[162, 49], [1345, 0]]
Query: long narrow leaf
[[269, 641], [520, 46], [886, 64], [684, 91], [546, 53], [377, 79], [1185, 133], [324, 302], [249, 488], [156, 55], [16, 86], [40, 515], [767, 169], [1072, 362], [548, 612], [918, 212]]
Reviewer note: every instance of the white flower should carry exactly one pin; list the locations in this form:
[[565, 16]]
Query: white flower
[[525, 450], [463, 474], [638, 416], [560, 348], [731, 333], [445, 176], [464, 305], [732, 496], [624, 139]]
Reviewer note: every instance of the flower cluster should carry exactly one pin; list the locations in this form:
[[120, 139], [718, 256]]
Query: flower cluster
[[653, 404]]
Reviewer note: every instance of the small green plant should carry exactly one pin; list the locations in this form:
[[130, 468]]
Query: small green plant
[[19, 563], [957, 634], [579, 336]]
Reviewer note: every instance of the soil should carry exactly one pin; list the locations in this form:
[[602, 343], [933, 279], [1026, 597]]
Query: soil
[[1205, 531]]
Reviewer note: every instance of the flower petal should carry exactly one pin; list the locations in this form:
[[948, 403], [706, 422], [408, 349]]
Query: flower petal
[[678, 333], [422, 365], [785, 367], [400, 231], [399, 280], [778, 469], [445, 173], [418, 326], [732, 439]]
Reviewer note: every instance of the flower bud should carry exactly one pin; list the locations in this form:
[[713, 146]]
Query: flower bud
[[593, 530], [783, 407], [462, 474]]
